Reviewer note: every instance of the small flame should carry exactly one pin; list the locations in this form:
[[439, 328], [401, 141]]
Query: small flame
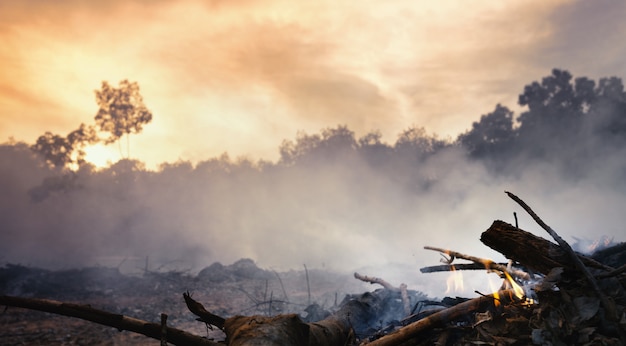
[[455, 281], [495, 290], [508, 284], [519, 291]]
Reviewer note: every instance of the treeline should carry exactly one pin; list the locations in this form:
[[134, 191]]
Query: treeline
[[572, 124], [568, 122]]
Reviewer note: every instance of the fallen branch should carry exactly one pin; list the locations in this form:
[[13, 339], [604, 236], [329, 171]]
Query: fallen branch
[[453, 267], [402, 289], [375, 280], [153, 330], [487, 263], [440, 318]]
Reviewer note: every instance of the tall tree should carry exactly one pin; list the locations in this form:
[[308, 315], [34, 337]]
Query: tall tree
[[122, 111]]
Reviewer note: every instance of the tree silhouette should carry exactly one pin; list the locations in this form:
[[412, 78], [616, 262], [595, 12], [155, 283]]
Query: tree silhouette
[[415, 142], [61, 151], [122, 111], [55, 150], [491, 135], [608, 112], [331, 144]]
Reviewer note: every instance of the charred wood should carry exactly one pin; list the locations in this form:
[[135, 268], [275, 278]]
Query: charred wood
[[453, 267], [353, 320], [533, 252], [487, 263], [443, 317]]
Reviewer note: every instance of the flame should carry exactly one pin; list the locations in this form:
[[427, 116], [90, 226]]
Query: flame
[[494, 289], [496, 298], [455, 281], [508, 284], [517, 289]]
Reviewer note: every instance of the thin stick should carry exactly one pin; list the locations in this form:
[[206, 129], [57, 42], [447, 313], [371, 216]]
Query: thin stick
[[451, 267], [488, 264], [269, 306], [281, 285], [308, 285], [608, 306], [375, 280], [163, 329]]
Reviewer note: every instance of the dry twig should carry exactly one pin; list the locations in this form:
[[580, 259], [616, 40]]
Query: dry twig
[[487, 263], [375, 280]]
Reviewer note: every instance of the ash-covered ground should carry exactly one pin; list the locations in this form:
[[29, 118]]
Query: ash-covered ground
[[226, 290]]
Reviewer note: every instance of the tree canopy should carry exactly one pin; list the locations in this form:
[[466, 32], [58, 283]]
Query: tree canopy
[[564, 119], [122, 110], [60, 151]]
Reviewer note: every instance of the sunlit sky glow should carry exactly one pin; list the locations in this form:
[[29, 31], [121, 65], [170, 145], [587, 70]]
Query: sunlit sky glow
[[241, 76]]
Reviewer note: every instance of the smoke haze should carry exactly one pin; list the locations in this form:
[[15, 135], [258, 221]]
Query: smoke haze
[[332, 201]]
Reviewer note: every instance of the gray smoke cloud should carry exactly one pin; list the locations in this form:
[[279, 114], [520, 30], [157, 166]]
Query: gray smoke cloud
[[340, 212]]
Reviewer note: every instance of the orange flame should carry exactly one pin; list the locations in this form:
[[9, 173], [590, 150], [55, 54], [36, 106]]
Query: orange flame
[[519, 291]]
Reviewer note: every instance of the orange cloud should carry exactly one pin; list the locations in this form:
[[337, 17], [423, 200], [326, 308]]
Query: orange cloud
[[241, 76]]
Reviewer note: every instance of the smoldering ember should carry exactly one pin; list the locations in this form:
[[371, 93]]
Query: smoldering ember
[[549, 295]]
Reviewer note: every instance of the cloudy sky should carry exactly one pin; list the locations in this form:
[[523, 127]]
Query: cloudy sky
[[241, 76]]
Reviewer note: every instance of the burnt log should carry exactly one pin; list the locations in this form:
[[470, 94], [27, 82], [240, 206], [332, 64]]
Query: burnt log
[[354, 318], [441, 318], [535, 253], [542, 256]]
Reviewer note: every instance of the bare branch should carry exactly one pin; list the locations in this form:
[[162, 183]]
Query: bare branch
[[487, 263]]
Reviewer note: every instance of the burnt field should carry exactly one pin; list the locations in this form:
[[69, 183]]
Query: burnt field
[[544, 300], [226, 290]]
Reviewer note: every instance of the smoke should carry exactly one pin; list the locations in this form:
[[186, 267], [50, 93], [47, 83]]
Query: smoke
[[342, 209]]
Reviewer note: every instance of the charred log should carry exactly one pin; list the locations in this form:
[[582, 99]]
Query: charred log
[[353, 320], [443, 317], [535, 253]]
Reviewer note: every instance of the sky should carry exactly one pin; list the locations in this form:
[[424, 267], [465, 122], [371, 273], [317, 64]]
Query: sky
[[242, 76]]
